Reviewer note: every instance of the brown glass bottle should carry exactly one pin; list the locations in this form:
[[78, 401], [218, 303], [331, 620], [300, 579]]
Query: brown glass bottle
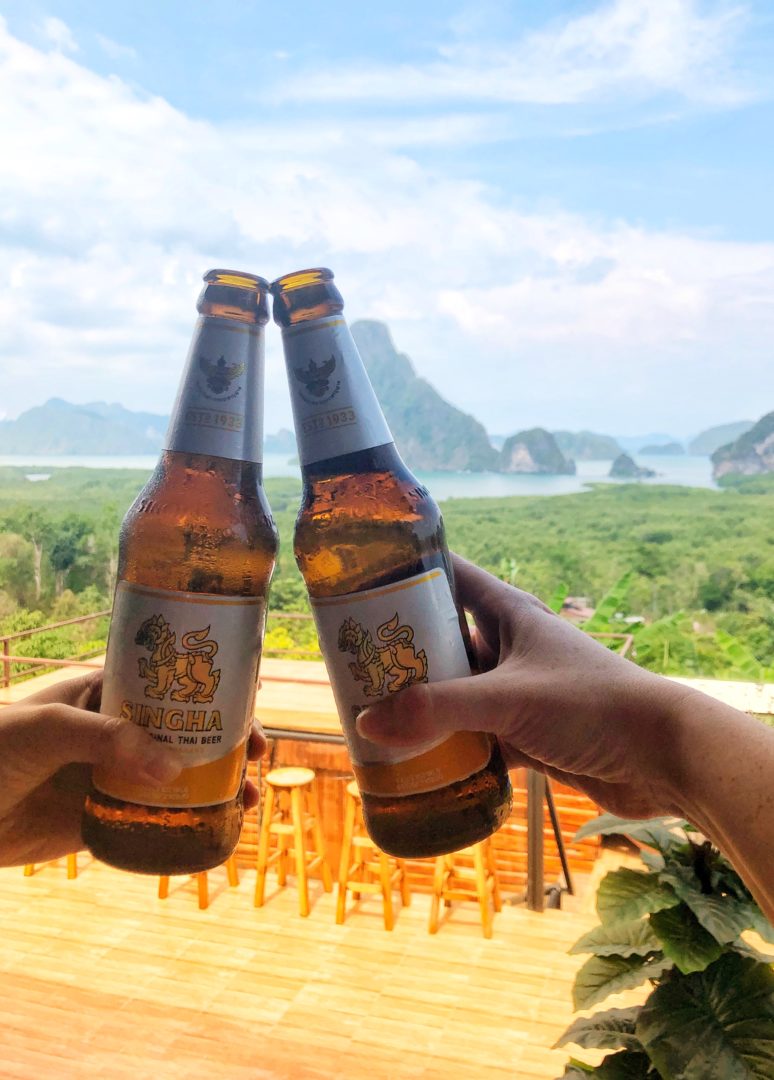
[[370, 544], [196, 554]]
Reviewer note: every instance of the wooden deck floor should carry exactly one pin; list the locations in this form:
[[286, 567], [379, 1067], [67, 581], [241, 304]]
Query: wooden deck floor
[[99, 978]]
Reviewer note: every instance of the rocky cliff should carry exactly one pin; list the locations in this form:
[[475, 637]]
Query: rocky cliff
[[626, 468], [430, 433], [534, 451], [750, 455]]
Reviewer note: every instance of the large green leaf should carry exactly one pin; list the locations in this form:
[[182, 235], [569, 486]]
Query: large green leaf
[[745, 949], [626, 1065], [610, 1030], [577, 1070], [715, 1023], [619, 939], [604, 975], [661, 833], [556, 603], [652, 860], [611, 603], [724, 917], [740, 656], [684, 939], [626, 894], [760, 924]]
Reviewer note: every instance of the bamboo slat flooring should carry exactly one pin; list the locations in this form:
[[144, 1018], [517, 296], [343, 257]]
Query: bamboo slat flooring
[[99, 978]]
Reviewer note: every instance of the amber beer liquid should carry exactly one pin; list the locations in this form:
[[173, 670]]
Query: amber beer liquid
[[196, 554], [370, 544]]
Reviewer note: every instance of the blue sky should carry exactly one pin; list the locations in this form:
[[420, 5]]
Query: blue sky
[[563, 210]]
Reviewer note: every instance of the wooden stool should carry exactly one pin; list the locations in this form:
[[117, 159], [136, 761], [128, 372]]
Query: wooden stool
[[365, 868], [201, 882], [469, 874], [291, 813], [72, 867]]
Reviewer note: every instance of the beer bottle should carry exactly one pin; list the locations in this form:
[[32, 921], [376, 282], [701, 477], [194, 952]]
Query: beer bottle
[[369, 541], [196, 554]]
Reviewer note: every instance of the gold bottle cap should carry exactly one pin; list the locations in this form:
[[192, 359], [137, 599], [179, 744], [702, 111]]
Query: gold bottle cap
[[301, 279], [238, 278]]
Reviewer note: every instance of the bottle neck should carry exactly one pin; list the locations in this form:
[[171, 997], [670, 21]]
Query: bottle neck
[[219, 406], [240, 474], [376, 459], [335, 409]]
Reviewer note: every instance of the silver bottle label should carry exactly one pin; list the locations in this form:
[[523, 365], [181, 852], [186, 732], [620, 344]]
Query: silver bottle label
[[219, 407], [335, 408]]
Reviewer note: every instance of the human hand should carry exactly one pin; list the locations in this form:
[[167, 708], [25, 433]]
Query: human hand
[[48, 744], [558, 702]]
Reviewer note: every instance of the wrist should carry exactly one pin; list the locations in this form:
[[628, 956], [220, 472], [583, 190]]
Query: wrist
[[669, 748], [700, 744]]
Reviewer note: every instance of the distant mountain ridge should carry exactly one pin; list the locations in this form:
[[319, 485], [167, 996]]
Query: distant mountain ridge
[[707, 442], [99, 429], [282, 442], [672, 448], [587, 445], [632, 443], [431, 433], [59, 427]]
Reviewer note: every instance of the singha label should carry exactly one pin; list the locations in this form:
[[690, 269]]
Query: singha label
[[184, 667], [334, 405], [380, 642]]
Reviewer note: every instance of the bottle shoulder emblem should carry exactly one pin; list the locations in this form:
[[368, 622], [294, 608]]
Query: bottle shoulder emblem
[[315, 380], [218, 377]]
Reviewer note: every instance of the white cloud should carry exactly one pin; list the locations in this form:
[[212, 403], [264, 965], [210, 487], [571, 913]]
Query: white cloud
[[115, 50], [58, 33], [114, 203], [636, 48]]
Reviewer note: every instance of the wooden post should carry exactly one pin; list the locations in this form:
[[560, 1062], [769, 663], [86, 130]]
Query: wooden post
[[536, 787], [6, 663]]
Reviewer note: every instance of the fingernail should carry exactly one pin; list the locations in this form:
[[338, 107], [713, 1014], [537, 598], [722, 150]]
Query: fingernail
[[374, 721], [363, 722]]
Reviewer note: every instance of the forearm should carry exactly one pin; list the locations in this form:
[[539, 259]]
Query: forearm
[[723, 783]]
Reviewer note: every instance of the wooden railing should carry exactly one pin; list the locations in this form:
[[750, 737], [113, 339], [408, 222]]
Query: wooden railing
[[33, 662], [9, 657]]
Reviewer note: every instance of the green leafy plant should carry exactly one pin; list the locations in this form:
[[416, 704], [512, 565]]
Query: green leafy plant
[[677, 924], [558, 597], [611, 603]]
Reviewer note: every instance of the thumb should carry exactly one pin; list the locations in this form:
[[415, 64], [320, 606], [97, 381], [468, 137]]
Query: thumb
[[429, 710], [56, 735]]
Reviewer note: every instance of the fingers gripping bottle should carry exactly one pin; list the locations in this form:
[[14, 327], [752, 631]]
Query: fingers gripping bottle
[[370, 544], [196, 554]]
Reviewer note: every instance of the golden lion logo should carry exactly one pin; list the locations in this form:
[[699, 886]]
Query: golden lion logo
[[191, 670], [392, 665]]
